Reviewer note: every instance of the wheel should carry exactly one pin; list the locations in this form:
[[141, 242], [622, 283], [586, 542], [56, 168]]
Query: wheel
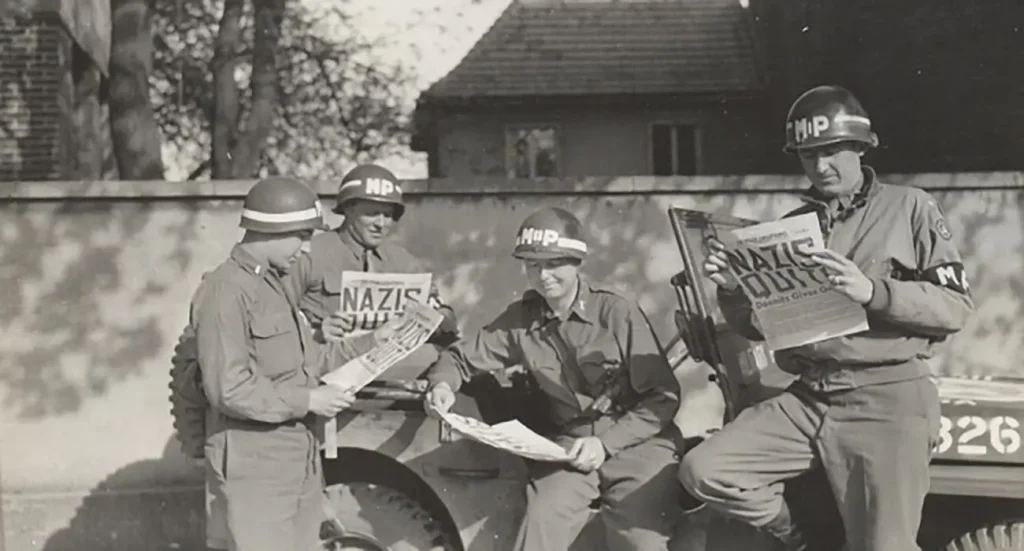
[[379, 518], [1005, 536]]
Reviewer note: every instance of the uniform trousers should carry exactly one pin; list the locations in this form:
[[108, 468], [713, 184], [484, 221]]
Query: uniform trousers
[[873, 442], [637, 490], [264, 490]]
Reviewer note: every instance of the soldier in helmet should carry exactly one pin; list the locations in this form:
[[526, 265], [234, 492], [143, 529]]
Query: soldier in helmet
[[260, 372], [864, 406], [371, 200], [609, 389]]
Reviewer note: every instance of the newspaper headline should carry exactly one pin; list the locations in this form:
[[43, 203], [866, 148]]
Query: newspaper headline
[[370, 299], [793, 301]]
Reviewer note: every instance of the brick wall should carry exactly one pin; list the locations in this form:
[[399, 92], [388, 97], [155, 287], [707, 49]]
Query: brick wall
[[36, 90]]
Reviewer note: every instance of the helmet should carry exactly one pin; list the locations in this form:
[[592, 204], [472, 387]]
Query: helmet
[[826, 115], [280, 204], [550, 233], [370, 182]]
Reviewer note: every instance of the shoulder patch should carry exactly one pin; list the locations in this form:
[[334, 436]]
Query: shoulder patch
[[942, 229], [939, 223]]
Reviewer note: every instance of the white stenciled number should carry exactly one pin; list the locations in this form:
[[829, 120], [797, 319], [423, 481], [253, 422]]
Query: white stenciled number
[[1005, 434], [973, 427], [945, 435]]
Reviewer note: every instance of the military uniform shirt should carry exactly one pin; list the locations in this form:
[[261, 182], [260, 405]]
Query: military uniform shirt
[[259, 362], [899, 238], [569, 357]]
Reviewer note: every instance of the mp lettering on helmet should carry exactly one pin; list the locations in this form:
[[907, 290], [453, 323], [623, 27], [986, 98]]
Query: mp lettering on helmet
[[808, 127], [380, 186], [531, 236]]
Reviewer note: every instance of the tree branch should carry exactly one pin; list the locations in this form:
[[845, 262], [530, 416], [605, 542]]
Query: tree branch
[[199, 170]]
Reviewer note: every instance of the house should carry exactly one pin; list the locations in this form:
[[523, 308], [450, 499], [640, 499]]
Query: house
[[567, 88]]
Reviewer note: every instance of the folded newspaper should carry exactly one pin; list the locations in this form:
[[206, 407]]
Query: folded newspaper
[[510, 436], [794, 302], [396, 339]]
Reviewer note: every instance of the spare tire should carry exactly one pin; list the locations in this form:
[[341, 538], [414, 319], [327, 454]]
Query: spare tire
[[1004, 536], [378, 518]]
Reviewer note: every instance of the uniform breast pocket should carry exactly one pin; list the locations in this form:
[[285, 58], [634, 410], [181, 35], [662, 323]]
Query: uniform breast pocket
[[332, 292], [276, 340], [599, 361]]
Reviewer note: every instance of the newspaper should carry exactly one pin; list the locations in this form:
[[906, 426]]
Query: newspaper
[[370, 299], [793, 301], [396, 339], [510, 436]]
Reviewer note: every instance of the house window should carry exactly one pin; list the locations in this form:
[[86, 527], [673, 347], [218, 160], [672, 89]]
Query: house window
[[674, 149], [531, 151]]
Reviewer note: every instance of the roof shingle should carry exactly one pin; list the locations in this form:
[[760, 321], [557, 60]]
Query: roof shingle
[[559, 47]]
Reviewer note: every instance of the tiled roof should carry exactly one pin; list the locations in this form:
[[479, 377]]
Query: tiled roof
[[584, 47]]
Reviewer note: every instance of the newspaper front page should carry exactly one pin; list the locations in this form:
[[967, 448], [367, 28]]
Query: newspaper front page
[[370, 299], [793, 301], [510, 436]]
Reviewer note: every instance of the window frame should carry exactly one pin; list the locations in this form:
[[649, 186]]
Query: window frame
[[698, 144], [509, 128]]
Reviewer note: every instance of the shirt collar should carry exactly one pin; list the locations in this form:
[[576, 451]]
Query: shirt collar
[[356, 247], [247, 261], [581, 307]]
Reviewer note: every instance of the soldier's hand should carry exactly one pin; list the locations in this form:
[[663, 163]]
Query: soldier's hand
[[587, 454], [337, 326], [439, 399], [716, 266], [844, 275], [328, 400]]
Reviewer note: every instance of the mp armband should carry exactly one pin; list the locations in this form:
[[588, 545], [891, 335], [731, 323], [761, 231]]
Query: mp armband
[[950, 275]]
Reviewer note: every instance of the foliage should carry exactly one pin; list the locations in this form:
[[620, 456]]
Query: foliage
[[333, 101]]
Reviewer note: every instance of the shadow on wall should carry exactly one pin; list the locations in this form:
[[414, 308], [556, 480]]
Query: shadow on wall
[[74, 325], [125, 511]]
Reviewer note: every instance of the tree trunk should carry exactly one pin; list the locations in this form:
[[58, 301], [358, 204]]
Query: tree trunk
[[225, 108], [133, 127], [263, 85]]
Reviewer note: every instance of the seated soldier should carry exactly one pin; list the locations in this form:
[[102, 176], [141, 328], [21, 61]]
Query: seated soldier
[[610, 391]]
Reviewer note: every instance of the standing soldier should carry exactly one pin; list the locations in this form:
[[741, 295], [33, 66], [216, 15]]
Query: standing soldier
[[371, 199], [260, 370], [607, 384], [864, 406]]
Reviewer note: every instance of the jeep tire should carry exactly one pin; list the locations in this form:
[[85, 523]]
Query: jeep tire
[[379, 518], [1004, 536]]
